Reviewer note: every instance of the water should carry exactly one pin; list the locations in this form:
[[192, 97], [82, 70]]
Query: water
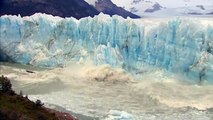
[[94, 91]]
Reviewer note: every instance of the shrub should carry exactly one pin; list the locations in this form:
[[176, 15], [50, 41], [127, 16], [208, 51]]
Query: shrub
[[39, 103], [5, 84]]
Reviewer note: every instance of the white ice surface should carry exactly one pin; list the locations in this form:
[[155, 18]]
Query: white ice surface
[[180, 45]]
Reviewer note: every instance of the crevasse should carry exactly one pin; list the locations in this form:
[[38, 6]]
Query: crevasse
[[178, 45]]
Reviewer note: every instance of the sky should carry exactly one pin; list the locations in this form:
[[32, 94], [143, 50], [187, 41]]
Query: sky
[[182, 3], [171, 3]]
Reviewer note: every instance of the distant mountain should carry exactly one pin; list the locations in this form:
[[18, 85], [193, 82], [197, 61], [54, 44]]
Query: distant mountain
[[163, 8], [62, 8], [154, 8], [211, 13], [108, 7], [139, 7]]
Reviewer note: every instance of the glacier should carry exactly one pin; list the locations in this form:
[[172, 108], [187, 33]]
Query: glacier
[[179, 45]]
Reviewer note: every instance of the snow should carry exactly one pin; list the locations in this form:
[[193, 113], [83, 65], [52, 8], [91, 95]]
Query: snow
[[178, 45], [91, 2], [141, 6], [170, 7]]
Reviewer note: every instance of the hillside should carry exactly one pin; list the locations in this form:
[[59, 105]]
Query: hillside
[[108, 7], [62, 8], [17, 107]]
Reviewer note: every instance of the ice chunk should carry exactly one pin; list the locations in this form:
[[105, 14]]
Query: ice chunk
[[119, 115]]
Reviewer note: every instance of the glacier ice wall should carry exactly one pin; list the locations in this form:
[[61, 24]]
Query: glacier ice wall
[[178, 45]]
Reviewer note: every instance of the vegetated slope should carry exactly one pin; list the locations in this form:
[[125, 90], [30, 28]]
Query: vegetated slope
[[17, 107]]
